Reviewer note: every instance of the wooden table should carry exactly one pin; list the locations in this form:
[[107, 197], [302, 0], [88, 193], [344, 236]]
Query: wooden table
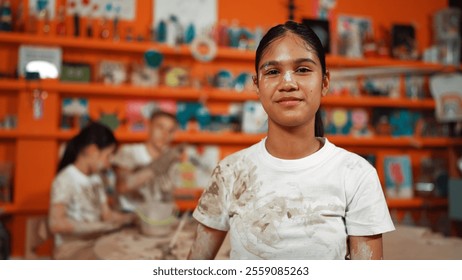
[[406, 243], [420, 243], [131, 244]]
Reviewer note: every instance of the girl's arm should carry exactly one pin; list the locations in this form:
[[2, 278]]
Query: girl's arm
[[366, 247], [116, 217], [206, 244], [60, 223]]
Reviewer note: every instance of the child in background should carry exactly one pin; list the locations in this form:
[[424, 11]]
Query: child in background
[[293, 195], [145, 171], [79, 212]]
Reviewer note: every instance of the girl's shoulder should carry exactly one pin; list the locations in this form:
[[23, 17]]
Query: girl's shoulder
[[341, 157], [70, 175]]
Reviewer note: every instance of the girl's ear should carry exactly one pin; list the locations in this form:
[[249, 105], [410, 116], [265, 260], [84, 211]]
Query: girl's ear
[[325, 83], [255, 82]]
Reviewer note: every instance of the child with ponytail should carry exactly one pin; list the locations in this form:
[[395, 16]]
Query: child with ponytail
[[79, 211]]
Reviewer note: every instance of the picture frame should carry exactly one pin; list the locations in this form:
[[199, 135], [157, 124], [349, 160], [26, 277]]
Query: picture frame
[[403, 42], [322, 29], [398, 176]]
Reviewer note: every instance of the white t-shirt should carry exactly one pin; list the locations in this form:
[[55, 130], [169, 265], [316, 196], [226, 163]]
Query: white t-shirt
[[294, 209], [83, 196], [132, 157]]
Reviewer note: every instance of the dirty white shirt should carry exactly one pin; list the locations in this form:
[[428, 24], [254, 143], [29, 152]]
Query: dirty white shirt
[[83, 195], [294, 209], [132, 157]]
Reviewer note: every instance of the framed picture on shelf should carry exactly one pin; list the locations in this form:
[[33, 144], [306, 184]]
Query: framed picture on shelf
[[74, 113], [112, 72], [398, 176], [76, 72], [45, 61], [322, 30], [351, 32], [446, 89], [403, 41]]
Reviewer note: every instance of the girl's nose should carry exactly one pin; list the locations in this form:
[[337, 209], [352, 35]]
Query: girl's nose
[[288, 82], [288, 76]]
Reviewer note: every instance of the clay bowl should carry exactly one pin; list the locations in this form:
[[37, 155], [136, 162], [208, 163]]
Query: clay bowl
[[157, 218]]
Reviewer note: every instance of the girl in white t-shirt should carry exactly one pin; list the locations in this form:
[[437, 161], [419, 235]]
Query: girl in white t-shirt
[[294, 195], [79, 212]]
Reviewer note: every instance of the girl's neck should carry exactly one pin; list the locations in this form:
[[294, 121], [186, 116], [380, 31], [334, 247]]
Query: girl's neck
[[288, 143], [82, 166]]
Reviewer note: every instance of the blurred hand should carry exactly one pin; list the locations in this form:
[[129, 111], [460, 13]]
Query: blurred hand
[[166, 160]]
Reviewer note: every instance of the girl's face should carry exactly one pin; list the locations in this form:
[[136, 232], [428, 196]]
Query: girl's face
[[161, 132], [290, 82], [99, 159]]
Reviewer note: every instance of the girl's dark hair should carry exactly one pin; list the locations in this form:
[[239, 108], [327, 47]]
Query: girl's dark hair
[[93, 133], [310, 38]]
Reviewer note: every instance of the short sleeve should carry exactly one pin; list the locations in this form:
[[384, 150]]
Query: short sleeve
[[124, 158], [212, 209], [367, 211], [60, 192]]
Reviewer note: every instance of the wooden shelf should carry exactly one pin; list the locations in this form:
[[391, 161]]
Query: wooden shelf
[[347, 62], [7, 208], [230, 95], [126, 91], [417, 202], [182, 136], [11, 85], [188, 93], [8, 134], [222, 53], [209, 137], [377, 101], [387, 141], [91, 44], [121, 46]]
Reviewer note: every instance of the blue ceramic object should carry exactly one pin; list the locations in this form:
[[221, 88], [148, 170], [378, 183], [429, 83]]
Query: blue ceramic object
[[162, 32], [153, 58], [190, 34]]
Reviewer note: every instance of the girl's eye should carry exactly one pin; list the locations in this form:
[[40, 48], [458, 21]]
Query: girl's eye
[[303, 70], [271, 72]]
